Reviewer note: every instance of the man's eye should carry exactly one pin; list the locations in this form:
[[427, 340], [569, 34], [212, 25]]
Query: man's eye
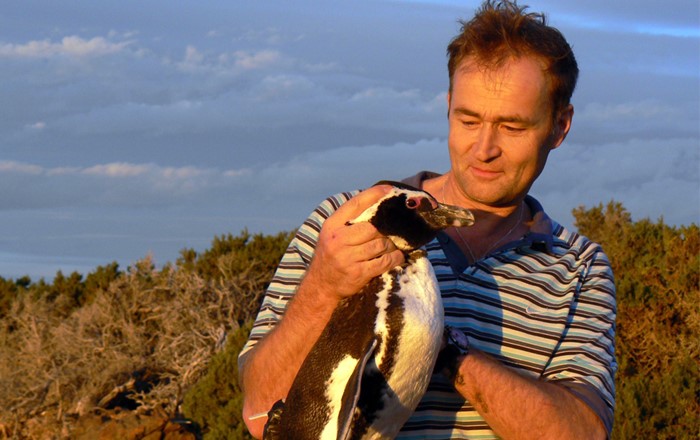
[[511, 129]]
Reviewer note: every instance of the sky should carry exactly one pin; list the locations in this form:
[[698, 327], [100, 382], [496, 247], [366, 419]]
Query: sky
[[137, 128]]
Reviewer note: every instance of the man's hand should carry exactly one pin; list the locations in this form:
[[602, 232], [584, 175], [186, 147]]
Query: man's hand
[[348, 256]]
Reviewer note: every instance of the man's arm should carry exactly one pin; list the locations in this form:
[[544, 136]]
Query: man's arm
[[519, 407], [345, 259]]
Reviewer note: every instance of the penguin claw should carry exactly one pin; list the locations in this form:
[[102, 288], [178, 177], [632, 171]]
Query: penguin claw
[[272, 429], [449, 352], [446, 336]]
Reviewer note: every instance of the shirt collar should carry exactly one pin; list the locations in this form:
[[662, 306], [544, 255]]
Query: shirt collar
[[540, 237]]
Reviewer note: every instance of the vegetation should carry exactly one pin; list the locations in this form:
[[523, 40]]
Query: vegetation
[[216, 401], [137, 339], [657, 275], [166, 341]]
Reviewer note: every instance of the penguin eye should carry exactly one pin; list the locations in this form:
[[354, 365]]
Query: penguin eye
[[412, 203]]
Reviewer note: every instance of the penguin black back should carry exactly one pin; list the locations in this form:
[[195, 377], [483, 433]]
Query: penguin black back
[[372, 362]]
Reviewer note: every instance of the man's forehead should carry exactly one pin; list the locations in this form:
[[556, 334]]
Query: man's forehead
[[498, 77], [515, 91], [498, 66]]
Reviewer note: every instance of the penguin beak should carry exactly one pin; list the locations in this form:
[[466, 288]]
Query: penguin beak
[[444, 216]]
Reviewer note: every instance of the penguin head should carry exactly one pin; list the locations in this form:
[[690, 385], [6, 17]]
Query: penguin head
[[411, 217]]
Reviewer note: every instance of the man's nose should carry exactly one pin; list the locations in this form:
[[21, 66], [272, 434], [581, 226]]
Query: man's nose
[[486, 145]]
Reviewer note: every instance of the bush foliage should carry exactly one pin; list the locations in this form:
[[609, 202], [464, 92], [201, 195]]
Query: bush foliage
[[169, 338], [657, 276], [137, 338], [216, 401]]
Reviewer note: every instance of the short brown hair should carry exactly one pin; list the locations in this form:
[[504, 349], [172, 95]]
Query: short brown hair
[[501, 30]]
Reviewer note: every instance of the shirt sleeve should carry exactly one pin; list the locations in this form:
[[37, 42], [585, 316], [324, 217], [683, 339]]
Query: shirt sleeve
[[584, 362], [291, 271]]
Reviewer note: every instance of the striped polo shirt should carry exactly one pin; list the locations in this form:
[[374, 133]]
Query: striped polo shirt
[[543, 305]]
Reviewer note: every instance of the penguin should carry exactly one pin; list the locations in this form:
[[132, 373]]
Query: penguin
[[371, 365]]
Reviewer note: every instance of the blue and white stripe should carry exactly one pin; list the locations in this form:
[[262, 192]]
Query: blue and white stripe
[[544, 304]]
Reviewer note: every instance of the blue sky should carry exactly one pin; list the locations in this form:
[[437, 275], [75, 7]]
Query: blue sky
[[134, 128]]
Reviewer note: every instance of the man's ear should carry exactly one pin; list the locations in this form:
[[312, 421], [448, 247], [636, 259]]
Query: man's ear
[[562, 125]]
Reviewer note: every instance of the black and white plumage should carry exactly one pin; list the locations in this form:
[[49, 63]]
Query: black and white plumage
[[371, 365]]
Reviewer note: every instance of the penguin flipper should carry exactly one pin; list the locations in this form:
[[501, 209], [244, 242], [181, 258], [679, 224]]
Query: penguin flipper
[[351, 395]]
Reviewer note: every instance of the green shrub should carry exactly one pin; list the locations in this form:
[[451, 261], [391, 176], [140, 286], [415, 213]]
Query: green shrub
[[657, 276], [215, 402], [64, 345], [68, 347], [660, 406], [8, 292], [233, 254]]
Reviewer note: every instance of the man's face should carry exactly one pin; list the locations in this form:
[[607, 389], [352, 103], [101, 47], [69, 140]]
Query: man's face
[[501, 129]]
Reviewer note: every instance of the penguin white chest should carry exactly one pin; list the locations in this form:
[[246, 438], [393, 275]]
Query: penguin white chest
[[411, 347]]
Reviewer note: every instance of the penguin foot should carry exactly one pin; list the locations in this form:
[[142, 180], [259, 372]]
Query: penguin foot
[[272, 429], [455, 345]]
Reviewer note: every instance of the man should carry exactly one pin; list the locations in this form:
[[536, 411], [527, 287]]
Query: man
[[536, 301]]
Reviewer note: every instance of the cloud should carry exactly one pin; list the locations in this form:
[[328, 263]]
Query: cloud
[[270, 35], [40, 125], [650, 177], [257, 60], [73, 46], [277, 196], [629, 111], [308, 178], [44, 266], [192, 56], [117, 184], [283, 87], [11, 167], [248, 117], [227, 62], [118, 170], [302, 180]]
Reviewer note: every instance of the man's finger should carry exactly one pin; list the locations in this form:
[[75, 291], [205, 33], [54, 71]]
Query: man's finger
[[383, 263], [377, 246]]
